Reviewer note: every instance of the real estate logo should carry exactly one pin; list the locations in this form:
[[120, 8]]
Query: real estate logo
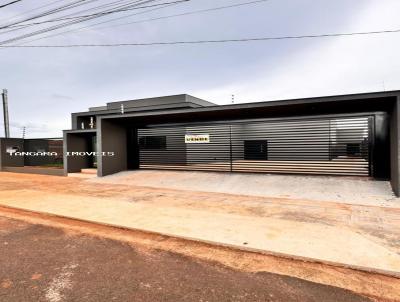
[[15, 152], [197, 139], [12, 150]]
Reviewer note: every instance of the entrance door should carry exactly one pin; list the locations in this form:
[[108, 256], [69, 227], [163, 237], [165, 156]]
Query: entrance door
[[256, 150]]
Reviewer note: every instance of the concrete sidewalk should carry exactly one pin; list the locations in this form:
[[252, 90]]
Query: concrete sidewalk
[[300, 239], [351, 190]]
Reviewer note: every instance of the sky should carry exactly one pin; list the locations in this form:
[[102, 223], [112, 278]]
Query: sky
[[46, 85]]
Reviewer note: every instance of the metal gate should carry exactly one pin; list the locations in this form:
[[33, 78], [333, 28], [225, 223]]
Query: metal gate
[[334, 146]]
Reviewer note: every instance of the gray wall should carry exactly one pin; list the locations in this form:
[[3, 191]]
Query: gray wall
[[11, 161], [111, 138], [286, 140], [174, 154], [290, 140], [216, 151], [36, 146], [394, 148], [74, 142], [181, 101]]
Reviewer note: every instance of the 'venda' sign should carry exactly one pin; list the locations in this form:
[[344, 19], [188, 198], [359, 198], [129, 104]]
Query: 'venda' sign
[[197, 139]]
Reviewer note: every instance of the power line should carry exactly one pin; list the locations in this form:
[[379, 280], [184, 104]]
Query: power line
[[209, 41], [186, 13], [18, 27], [130, 4], [10, 3], [69, 6], [146, 20], [22, 25], [51, 11], [166, 17], [87, 10], [99, 14], [91, 25], [34, 9]]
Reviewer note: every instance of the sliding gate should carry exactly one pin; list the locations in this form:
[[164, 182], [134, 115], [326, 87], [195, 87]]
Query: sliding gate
[[334, 146]]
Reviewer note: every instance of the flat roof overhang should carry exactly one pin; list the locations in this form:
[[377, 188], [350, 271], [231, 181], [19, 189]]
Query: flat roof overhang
[[80, 131], [344, 104]]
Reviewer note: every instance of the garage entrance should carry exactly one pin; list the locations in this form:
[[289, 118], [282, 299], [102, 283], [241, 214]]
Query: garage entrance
[[324, 145]]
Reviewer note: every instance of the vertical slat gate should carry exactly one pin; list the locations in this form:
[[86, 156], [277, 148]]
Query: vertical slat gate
[[332, 146]]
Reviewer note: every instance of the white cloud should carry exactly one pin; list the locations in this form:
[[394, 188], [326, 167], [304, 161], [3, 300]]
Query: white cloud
[[329, 66], [46, 85]]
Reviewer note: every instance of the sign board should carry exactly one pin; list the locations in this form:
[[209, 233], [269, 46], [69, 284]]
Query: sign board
[[197, 139]]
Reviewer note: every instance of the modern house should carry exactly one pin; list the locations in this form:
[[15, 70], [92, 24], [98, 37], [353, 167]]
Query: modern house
[[347, 135]]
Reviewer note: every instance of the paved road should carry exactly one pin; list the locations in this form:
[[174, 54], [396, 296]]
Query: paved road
[[39, 263]]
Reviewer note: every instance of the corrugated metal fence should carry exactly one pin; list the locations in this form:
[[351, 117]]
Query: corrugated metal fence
[[335, 146]]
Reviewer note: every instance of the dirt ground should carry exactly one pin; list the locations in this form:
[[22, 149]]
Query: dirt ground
[[380, 224], [42, 263]]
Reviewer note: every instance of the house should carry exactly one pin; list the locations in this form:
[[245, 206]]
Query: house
[[346, 135]]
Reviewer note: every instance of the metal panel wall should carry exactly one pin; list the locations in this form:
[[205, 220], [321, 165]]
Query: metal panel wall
[[318, 146], [335, 146], [213, 156]]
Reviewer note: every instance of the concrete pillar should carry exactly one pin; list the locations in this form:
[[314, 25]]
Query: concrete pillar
[[111, 138], [74, 142], [394, 147]]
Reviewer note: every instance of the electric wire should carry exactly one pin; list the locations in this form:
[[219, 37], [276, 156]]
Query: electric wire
[[186, 13], [79, 20], [51, 11], [98, 14], [209, 41], [34, 9], [22, 24], [145, 20], [10, 3]]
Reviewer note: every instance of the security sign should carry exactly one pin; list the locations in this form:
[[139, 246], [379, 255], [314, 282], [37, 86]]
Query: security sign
[[197, 139]]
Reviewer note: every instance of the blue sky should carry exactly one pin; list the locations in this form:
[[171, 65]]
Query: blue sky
[[46, 85]]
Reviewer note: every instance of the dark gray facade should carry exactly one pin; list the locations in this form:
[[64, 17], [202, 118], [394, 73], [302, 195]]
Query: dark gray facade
[[112, 140], [77, 141], [394, 147], [339, 135]]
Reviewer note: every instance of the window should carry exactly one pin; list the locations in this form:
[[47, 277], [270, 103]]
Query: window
[[353, 149], [256, 150], [153, 142]]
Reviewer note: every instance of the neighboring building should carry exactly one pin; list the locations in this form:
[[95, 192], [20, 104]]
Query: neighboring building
[[347, 135]]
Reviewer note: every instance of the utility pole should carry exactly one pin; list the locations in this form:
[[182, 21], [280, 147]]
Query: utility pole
[[5, 114]]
